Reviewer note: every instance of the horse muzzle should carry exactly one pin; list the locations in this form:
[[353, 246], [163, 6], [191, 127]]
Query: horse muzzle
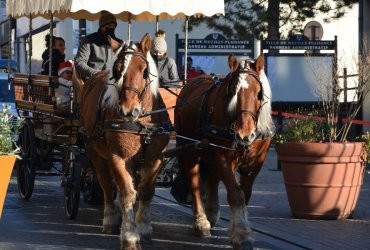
[[246, 140], [129, 116]]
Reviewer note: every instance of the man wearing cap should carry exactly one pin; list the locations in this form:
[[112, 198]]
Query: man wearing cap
[[95, 53], [166, 65]]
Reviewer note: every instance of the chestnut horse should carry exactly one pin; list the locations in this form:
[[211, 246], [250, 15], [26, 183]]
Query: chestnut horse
[[232, 118], [122, 141]]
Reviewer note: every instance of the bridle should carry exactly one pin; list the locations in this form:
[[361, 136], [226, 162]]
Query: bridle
[[255, 115], [130, 51]]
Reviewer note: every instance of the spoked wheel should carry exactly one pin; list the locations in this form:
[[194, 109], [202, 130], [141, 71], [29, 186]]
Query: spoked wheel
[[168, 172], [26, 166], [92, 192], [72, 182]]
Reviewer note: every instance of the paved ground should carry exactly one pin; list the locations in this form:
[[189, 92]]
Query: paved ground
[[41, 223]]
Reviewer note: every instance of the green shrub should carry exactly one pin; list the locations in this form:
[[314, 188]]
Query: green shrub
[[303, 130], [8, 131]]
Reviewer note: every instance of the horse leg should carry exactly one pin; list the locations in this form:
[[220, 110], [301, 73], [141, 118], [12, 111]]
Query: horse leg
[[127, 197], [212, 200], [146, 191], [241, 233], [258, 153], [111, 215], [246, 183], [201, 224]]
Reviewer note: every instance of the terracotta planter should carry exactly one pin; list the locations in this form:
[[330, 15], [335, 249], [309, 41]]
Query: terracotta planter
[[6, 168], [322, 180]]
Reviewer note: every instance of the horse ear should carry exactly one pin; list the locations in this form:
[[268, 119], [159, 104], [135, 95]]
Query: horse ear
[[145, 43], [260, 63], [233, 63]]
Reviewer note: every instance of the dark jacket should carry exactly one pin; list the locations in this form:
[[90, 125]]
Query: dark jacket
[[94, 53], [57, 59]]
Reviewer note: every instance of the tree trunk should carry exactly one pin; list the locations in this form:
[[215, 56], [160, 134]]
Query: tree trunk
[[273, 15]]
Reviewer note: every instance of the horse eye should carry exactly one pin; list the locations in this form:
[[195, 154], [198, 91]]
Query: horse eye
[[145, 74]]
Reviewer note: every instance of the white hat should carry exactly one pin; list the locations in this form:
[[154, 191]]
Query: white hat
[[159, 43]]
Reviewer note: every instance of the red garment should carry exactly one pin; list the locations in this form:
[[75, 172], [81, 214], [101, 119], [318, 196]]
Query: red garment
[[193, 73]]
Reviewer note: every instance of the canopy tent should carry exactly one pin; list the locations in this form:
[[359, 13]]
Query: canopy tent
[[125, 10]]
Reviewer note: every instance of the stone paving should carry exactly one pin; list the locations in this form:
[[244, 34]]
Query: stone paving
[[41, 223], [269, 213]]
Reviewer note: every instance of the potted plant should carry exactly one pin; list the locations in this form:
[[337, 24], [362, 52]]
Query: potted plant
[[323, 171], [8, 149]]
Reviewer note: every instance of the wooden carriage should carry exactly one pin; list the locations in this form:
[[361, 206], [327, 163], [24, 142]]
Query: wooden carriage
[[50, 135]]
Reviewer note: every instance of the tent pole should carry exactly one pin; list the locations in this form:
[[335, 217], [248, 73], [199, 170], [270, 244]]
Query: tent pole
[[30, 45], [10, 70], [50, 44], [129, 29], [156, 24], [186, 49], [51, 89]]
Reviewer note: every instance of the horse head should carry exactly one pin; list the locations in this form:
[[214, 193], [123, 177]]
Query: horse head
[[136, 79], [249, 93]]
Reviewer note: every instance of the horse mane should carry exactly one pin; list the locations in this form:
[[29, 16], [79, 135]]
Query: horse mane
[[265, 123], [111, 95]]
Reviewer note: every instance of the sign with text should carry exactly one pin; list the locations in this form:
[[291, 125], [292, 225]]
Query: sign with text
[[216, 41], [298, 45]]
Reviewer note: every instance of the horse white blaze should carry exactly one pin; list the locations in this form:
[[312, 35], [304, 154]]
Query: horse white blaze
[[242, 83]]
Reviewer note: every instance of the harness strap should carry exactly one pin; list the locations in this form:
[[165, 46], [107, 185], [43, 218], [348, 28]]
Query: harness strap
[[205, 113], [135, 127]]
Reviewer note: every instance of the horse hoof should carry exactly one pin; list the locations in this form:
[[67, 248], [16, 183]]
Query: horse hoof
[[131, 246], [202, 227], [202, 232]]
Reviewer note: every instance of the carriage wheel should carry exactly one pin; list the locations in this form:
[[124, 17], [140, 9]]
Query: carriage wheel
[[92, 192], [26, 166], [168, 173], [43, 151], [72, 182]]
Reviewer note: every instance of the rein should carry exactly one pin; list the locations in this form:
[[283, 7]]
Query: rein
[[214, 78]]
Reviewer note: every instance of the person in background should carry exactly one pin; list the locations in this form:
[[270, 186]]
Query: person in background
[[192, 71], [62, 93], [167, 68], [60, 45], [58, 55], [96, 52]]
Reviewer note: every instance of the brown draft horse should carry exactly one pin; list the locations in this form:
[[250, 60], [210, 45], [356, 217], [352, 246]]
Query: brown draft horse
[[119, 137], [234, 115]]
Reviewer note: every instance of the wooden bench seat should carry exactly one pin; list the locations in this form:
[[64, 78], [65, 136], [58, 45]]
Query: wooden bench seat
[[34, 93]]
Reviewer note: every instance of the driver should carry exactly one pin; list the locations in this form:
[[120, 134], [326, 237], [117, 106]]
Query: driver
[[96, 52]]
